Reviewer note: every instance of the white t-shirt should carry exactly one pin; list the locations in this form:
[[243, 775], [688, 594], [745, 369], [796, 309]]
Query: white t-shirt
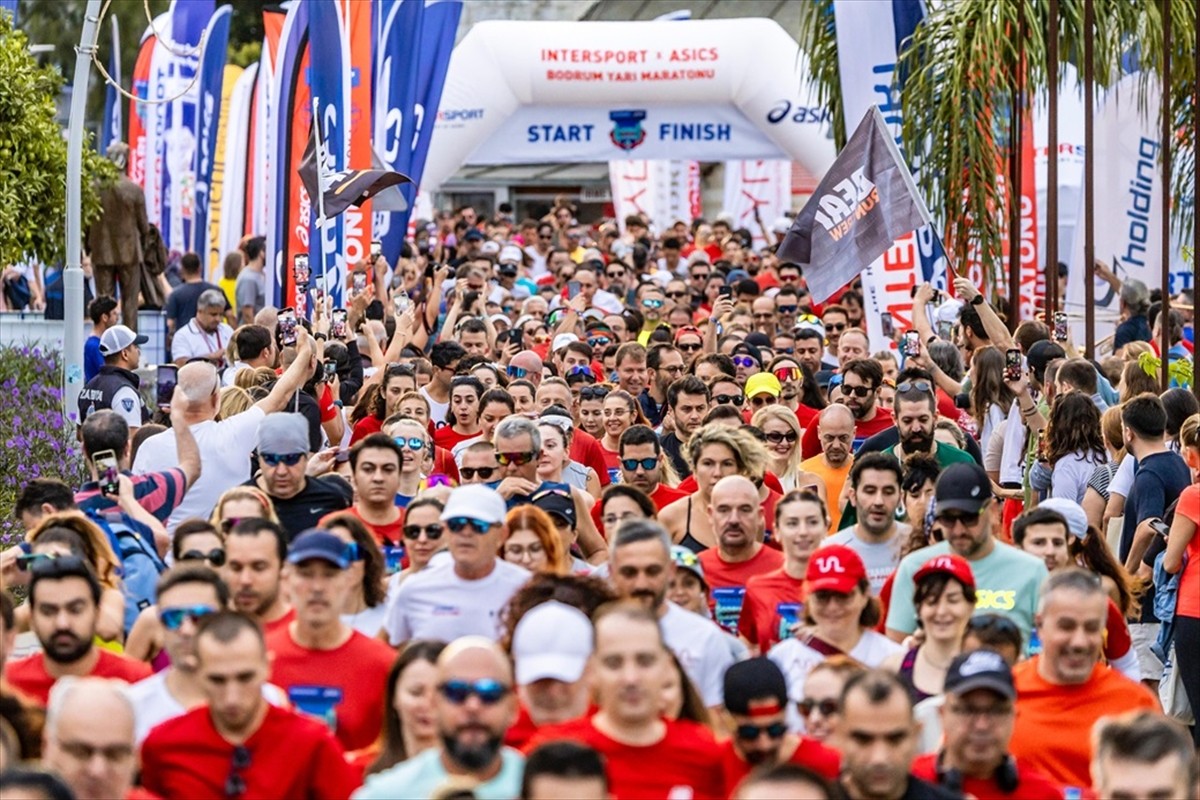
[[702, 649], [369, 621], [225, 449], [437, 604], [1122, 482], [437, 411], [191, 342], [153, 704], [880, 559], [797, 659]]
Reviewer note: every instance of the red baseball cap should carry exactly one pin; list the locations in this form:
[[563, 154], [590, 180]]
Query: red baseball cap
[[834, 568], [955, 566]]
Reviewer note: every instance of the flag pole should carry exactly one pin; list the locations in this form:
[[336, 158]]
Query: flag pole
[[319, 145]]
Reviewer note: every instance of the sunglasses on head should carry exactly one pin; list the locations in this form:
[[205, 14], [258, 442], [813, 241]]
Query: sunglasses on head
[[172, 618], [488, 691], [593, 393], [775, 437], [631, 464], [518, 459], [469, 473], [516, 372], [415, 443], [215, 557], [749, 733], [925, 387], [432, 532], [733, 399], [828, 707], [275, 459], [857, 391], [744, 361], [459, 524]]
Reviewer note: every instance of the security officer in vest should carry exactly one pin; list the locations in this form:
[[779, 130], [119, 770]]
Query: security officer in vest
[[115, 385]]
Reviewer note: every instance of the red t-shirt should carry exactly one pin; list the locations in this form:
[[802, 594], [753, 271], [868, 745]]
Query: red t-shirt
[[762, 615], [806, 415], [662, 497], [821, 759], [364, 428], [388, 532], [279, 624], [586, 450], [29, 677], [810, 443], [1031, 784], [446, 437], [686, 758], [727, 582], [344, 686], [290, 757], [612, 463], [443, 462]]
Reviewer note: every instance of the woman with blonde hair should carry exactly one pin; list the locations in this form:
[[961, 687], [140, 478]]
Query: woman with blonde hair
[[249, 378], [533, 542], [782, 431], [234, 400], [239, 503], [1096, 496]]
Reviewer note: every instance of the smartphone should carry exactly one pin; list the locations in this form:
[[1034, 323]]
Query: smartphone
[[938, 297], [300, 270], [945, 330], [330, 370], [401, 302], [287, 327], [376, 249], [912, 344], [1060, 326], [725, 291], [320, 297], [573, 289], [1012, 364], [359, 282], [337, 328], [1160, 527], [886, 324], [107, 471], [301, 303], [166, 376]]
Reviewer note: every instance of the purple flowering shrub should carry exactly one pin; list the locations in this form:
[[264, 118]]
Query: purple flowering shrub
[[37, 441]]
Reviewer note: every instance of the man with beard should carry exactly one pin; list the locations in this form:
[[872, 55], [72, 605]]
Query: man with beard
[[835, 431], [64, 601], [640, 567], [254, 554], [737, 519], [687, 400], [665, 366], [876, 536], [329, 670], [237, 744], [475, 704], [861, 379], [756, 699], [1007, 579], [915, 412], [646, 754]]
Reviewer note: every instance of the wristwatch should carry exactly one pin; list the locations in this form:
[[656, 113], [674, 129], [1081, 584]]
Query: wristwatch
[[320, 337], [977, 300]]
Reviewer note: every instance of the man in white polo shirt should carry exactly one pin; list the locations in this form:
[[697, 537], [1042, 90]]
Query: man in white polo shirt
[[462, 596]]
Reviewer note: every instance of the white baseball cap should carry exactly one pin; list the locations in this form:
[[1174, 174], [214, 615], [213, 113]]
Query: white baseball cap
[[476, 502], [553, 640]]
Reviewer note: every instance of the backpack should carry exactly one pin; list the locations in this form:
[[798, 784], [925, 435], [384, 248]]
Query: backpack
[[140, 563]]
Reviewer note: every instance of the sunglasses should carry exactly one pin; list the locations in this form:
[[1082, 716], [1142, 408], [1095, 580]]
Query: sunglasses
[[229, 524], [487, 690], [580, 369], [828, 707], [517, 459], [734, 399], [593, 393], [744, 361], [987, 623], [599, 341], [469, 473], [172, 618], [925, 387], [690, 348], [215, 557], [857, 391], [785, 374], [459, 524], [760, 400], [775, 437], [835, 327], [951, 519], [235, 784], [415, 443], [432, 532], [617, 275], [275, 459], [700, 276], [651, 302], [788, 278], [676, 295], [516, 372], [631, 464], [749, 733], [787, 309]]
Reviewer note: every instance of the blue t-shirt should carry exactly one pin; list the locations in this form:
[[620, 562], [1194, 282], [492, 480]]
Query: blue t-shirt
[[92, 360], [1134, 329], [423, 774], [1158, 481]]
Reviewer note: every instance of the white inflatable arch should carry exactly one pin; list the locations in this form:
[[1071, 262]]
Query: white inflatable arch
[[555, 92]]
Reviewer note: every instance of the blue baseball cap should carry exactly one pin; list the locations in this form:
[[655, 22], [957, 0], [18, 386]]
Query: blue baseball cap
[[317, 543]]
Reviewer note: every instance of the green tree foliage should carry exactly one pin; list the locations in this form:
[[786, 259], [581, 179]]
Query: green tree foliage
[[33, 157]]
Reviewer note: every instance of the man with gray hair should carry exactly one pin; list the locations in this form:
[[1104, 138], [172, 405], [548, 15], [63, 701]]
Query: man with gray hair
[[1134, 325], [640, 568], [88, 738], [206, 335], [518, 445], [181, 303]]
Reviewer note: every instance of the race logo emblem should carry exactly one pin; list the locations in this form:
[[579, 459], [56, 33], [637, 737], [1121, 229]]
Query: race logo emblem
[[627, 132]]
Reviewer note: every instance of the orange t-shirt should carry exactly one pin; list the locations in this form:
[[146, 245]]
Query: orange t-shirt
[[1054, 723], [834, 480]]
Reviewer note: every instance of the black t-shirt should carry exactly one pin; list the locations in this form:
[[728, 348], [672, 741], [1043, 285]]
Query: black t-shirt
[[320, 496], [674, 450], [1158, 480]]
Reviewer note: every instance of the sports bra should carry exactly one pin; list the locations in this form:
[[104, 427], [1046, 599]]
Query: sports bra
[[689, 541], [905, 674]]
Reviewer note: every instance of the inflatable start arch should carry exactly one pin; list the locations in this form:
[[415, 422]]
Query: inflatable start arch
[[551, 92]]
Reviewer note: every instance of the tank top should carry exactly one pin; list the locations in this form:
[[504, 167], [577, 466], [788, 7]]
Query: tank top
[[905, 674]]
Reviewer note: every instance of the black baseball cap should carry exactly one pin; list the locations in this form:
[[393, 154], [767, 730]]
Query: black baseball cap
[[962, 487], [980, 669], [753, 686]]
